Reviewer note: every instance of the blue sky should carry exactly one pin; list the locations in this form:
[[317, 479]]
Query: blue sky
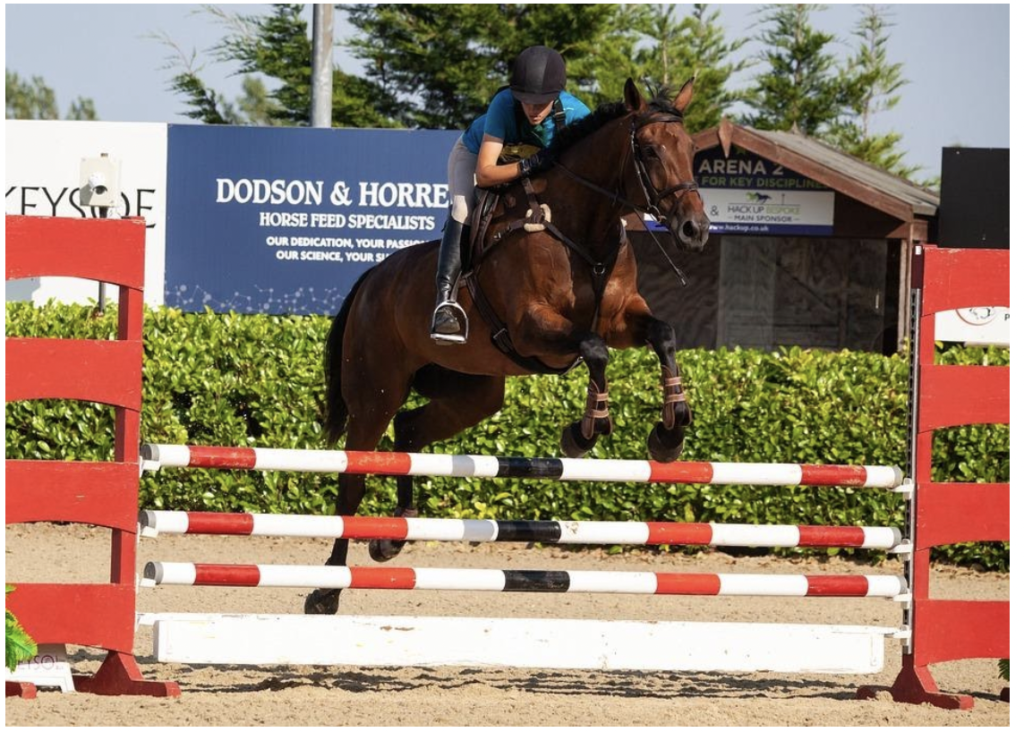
[[956, 59]]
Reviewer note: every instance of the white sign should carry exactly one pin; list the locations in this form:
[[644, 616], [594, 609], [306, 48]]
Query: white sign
[[48, 668], [987, 326], [43, 170], [758, 211]]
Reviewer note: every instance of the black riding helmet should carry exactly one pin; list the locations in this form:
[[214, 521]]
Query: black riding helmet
[[538, 75]]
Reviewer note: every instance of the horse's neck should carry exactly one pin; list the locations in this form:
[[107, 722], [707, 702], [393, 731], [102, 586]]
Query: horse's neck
[[601, 159]]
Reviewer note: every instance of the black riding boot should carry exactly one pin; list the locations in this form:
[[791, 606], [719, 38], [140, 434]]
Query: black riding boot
[[447, 326]]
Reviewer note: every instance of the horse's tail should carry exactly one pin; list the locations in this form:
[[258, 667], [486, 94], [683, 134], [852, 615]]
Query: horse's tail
[[336, 411]]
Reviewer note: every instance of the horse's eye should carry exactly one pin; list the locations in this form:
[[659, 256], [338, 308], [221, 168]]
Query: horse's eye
[[649, 151]]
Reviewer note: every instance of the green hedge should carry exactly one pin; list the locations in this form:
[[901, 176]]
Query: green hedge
[[257, 380]]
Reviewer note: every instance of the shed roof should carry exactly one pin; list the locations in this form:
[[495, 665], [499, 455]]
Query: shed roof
[[840, 171]]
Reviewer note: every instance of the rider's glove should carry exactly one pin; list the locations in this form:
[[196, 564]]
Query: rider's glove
[[540, 159]]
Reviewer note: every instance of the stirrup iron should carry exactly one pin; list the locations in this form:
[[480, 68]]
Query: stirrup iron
[[449, 338]]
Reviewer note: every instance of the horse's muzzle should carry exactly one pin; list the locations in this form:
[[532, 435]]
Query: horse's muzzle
[[691, 230]]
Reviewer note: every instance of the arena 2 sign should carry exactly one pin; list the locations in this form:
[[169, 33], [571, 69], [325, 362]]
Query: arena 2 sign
[[747, 194]]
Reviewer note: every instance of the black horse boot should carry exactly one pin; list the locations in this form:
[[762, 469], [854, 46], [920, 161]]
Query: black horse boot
[[449, 317]]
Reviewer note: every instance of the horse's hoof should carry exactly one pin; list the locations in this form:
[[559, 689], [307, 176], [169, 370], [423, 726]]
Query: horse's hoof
[[574, 444], [322, 602], [665, 446], [382, 550]]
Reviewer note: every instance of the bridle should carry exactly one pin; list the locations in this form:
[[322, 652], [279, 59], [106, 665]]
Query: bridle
[[652, 196]]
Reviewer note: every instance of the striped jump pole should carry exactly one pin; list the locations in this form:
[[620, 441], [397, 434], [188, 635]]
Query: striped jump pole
[[479, 466], [507, 580], [154, 523]]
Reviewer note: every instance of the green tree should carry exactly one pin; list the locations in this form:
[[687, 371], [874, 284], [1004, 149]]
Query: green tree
[[614, 59], [30, 99], [799, 90], [82, 109], [437, 66], [203, 104], [871, 82], [277, 47], [256, 104], [33, 99], [670, 51]]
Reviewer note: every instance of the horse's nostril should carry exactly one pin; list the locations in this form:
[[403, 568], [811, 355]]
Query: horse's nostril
[[689, 230]]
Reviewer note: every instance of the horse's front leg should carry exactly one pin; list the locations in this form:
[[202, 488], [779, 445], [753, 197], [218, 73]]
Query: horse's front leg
[[637, 328], [579, 437], [546, 333], [665, 442]]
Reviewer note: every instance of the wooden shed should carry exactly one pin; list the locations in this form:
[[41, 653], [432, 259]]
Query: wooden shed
[[809, 247]]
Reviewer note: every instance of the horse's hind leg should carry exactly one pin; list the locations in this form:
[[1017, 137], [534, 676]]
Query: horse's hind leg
[[381, 550], [367, 424], [351, 489], [457, 401]]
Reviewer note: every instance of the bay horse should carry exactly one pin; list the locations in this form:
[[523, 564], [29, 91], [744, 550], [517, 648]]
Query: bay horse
[[560, 286]]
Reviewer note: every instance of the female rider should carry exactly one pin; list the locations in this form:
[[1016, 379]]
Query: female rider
[[529, 111]]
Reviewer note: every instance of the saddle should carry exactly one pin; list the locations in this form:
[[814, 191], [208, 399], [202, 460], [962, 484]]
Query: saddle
[[487, 206]]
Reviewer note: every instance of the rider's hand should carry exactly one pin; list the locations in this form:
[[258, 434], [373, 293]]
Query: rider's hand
[[540, 159]]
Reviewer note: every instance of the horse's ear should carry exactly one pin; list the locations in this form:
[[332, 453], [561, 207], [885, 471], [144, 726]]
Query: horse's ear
[[635, 101], [684, 96]]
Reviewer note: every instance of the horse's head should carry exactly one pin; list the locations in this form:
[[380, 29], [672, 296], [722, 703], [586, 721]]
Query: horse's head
[[663, 153]]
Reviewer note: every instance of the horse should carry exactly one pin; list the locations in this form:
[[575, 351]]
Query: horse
[[558, 288]]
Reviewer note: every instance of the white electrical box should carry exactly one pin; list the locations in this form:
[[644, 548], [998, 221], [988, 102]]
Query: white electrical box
[[100, 181]]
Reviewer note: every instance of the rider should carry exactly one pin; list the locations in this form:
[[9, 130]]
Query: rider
[[529, 112]]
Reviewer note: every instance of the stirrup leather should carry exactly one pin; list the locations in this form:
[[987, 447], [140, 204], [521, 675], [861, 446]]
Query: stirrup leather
[[461, 337]]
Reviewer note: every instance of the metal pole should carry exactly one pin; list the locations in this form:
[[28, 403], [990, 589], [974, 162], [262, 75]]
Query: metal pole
[[101, 302], [323, 65]]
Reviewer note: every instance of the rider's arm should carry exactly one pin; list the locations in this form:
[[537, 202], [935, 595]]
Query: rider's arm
[[488, 171]]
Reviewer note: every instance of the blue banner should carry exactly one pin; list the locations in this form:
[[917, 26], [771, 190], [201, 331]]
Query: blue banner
[[285, 220]]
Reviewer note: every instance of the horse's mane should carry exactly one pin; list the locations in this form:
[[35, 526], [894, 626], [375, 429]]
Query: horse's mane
[[605, 113], [583, 128]]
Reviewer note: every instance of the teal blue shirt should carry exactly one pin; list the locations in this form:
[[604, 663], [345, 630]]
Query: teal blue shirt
[[502, 122]]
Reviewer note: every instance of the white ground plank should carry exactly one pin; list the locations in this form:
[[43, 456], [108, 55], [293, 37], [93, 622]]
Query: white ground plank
[[521, 643]]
